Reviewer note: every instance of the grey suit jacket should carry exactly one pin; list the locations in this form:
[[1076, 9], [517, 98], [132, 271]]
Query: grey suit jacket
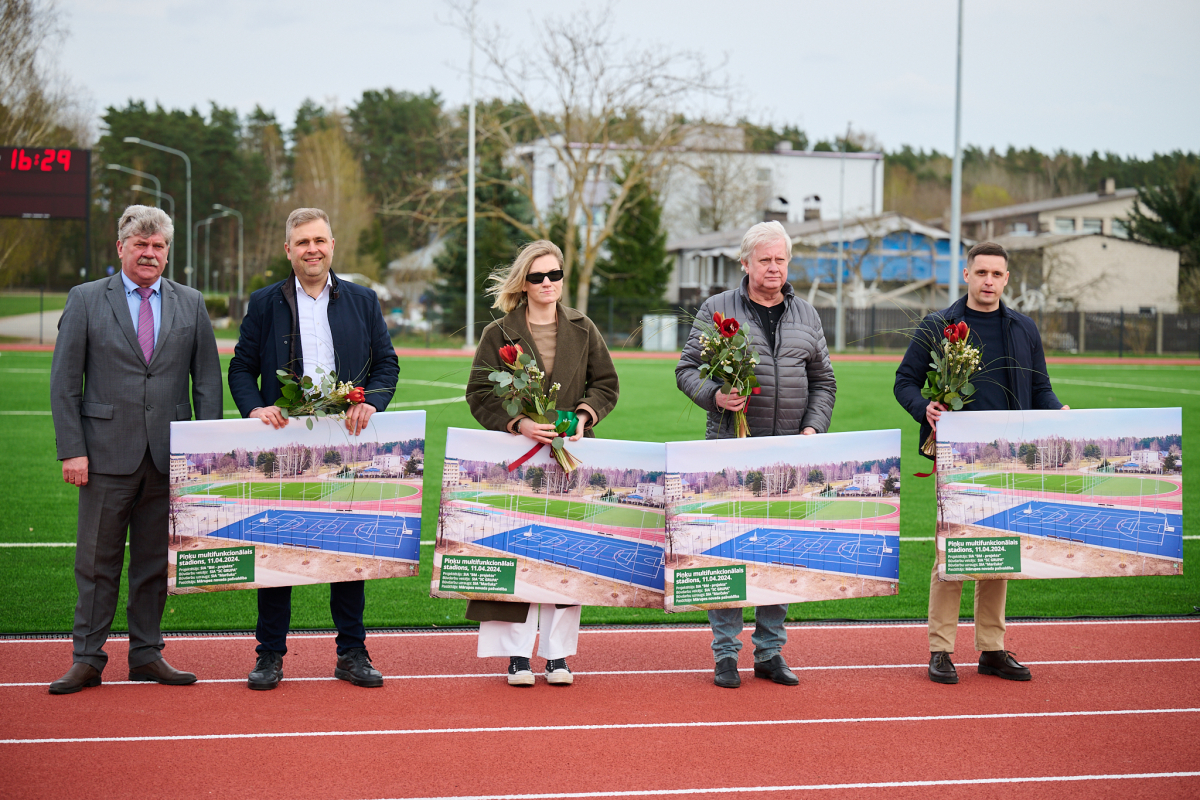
[[108, 403]]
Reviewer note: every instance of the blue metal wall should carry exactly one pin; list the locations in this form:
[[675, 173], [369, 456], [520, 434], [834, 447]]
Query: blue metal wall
[[901, 256]]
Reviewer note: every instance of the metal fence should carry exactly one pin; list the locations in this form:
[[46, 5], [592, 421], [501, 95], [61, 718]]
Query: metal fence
[[1121, 332]]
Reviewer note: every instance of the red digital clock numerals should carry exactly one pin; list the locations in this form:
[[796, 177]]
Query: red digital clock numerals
[[44, 161]]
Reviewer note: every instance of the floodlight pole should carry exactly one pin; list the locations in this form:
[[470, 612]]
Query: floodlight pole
[[470, 343], [188, 166], [228, 211], [207, 223], [956, 171], [140, 174], [839, 340]]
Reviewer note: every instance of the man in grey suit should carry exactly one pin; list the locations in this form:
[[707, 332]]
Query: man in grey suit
[[127, 347]]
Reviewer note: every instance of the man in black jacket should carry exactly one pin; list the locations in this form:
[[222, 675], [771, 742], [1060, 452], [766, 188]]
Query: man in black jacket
[[311, 324], [1012, 375]]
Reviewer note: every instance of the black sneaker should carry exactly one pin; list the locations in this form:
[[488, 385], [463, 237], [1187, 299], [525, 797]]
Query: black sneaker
[[519, 671], [558, 673], [940, 668], [267, 672], [355, 666]]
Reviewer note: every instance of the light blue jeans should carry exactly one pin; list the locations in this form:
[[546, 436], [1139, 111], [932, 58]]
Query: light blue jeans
[[769, 636]]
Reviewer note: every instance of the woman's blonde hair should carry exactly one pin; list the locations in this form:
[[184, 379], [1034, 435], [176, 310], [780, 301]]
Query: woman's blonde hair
[[507, 284]]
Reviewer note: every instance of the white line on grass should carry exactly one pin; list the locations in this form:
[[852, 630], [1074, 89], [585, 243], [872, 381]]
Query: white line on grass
[[120, 637], [28, 371], [418, 403], [704, 671], [616, 726], [748, 790], [1106, 385], [25, 413], [424, 542]]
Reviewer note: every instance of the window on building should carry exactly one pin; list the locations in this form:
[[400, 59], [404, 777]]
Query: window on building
[[1020, 229], [1093, 225], [1064, 224], [1119, 228]]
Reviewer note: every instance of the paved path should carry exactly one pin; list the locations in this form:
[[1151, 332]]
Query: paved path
[[25, 326]]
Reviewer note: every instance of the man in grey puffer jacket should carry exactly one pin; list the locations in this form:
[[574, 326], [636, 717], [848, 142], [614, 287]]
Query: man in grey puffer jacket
[[798, 390]]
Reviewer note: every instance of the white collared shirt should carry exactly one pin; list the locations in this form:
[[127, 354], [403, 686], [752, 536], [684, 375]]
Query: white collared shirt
[[316, 340]]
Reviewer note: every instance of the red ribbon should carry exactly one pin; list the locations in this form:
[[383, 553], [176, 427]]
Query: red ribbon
[[530, 454], [932, 471]]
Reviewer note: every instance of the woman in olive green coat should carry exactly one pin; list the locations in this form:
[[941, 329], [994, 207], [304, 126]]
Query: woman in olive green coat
[[571, 351]]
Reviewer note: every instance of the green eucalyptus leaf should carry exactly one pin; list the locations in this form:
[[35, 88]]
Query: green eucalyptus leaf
[[308, 422], [557, 444], [524, 359], [968, 388], [281, 402], [284, 412]]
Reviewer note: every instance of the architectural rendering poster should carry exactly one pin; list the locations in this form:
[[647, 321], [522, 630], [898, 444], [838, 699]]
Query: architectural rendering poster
[[1060, 494], [252, 506], [535, 534], [785, 519]]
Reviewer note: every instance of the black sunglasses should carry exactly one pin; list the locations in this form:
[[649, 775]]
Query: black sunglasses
[[537, 277]]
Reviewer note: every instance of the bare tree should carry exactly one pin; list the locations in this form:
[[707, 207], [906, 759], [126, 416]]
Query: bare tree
[[582, 102], [729, 189]]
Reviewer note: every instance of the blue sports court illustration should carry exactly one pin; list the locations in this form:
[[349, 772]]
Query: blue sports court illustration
[[639, 564], [353, 534], [1147, 532], [871, 554]]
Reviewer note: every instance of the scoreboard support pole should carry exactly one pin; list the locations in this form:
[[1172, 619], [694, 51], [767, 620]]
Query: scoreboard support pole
[[87, 219]]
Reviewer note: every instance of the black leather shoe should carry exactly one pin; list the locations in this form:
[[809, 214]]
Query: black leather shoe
[[727, 674], [79, 676], [777, 670], [355, 666], [267, 672], [161, 672], [1002, 664], [940, 668]]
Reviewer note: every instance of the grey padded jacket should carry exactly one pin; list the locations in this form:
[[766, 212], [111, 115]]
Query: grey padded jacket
[[798, 387]]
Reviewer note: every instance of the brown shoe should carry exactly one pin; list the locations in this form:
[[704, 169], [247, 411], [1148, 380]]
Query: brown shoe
[[161, 672], [79, 676], [1002, 664]]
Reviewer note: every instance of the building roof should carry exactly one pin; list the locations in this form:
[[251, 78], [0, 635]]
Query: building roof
[[1052, 204], [1018, 242]]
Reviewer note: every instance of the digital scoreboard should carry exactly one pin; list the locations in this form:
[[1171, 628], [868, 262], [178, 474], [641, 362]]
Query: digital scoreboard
[[44, 182]]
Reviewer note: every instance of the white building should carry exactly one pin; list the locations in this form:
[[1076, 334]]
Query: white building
[[673, 490], [651, 491], [945, 456], [389, 463], [1103, 211], [179, 469], [450, 476], [1147, 459], [870, 482]]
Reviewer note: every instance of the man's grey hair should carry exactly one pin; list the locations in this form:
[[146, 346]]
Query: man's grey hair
[[302, 216], [760, 234], [145, 221]]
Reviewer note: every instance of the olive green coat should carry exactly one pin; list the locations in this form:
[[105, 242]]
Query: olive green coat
[[583, 367]]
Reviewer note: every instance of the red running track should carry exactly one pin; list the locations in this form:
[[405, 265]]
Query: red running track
[[1113, 711]]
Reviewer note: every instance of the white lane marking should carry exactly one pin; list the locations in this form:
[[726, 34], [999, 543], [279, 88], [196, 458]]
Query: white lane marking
[[424, 543], [418, 403], [462, 387], [616, 726], [704, 671], [25, 413], [748, 790], [27, 371], [628, 631], [1106, 385]]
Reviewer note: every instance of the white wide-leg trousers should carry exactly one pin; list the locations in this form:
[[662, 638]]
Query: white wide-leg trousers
[[559, 628]]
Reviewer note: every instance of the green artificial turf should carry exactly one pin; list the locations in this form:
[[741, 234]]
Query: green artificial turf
[[40, 591], [797, 509], [14, 304], [601, 513], [1106, 486], [309, 490]]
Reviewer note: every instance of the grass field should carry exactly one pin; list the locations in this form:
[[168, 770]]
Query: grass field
[[39, 508], [803, 509], [599, 513], [1099, 485], [311, 490], [28, 303]]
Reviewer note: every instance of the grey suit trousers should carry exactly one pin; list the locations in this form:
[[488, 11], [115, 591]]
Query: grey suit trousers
[[110, 505]]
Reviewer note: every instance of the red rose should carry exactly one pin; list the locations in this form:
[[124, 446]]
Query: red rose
[[509, 353], [951, 333], [729, 327], [756, 390], [718, 319], [963, 330], [357, 395]]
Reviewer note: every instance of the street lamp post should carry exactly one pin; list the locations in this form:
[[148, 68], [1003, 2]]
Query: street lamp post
[[188, 165], [207, 223], [228, 211], [139, 174], [470, 345], [956, 172]]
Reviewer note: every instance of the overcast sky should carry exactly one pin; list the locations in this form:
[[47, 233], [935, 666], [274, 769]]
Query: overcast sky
[[1099, 75]]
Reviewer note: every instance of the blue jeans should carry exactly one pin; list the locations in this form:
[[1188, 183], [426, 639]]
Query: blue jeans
[[769, 636]]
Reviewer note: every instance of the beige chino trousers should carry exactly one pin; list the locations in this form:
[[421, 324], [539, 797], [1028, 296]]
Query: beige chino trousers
[[945, 597]]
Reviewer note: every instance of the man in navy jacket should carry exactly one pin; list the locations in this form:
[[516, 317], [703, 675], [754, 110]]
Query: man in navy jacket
[[1012, 375], [307, 322]]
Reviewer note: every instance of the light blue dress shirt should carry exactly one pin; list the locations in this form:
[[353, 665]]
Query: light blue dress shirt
[[135, 303]]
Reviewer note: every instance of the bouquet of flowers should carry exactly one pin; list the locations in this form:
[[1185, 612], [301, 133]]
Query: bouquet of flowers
[[953, 362], [725, 351], [326, 397], [521, 391]]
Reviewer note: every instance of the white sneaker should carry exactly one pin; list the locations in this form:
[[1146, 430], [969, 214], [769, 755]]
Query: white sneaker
[[558, 673], [519, 671]]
